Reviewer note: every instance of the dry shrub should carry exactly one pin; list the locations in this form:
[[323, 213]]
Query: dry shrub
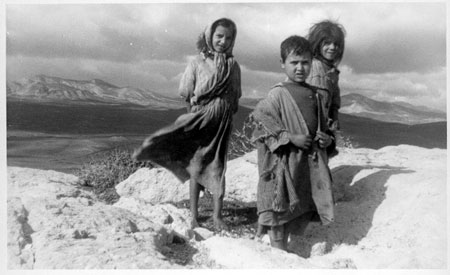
[[105, 170], [240, 141]]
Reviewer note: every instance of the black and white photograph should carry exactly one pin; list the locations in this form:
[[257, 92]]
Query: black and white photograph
[[224, 135]]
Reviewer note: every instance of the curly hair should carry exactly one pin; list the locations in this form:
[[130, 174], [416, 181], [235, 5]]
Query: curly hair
[[327, 31]]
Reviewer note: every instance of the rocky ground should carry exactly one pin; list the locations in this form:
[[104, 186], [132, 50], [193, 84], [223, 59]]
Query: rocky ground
[[390, 213]]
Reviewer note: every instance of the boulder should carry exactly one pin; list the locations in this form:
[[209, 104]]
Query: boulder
[[53, 224], [154, 186], [159, 185]]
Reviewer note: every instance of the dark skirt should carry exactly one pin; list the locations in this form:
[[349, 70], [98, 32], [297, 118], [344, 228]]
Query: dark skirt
[[194, 146]]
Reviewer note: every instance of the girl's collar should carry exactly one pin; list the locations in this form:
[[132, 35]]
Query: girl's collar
[[326, 61]]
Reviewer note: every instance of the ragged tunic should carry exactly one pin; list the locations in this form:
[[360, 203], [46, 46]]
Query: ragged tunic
[[292, 181], [195, 145], [326, 76]]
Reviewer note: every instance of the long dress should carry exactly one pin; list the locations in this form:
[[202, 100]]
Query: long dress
[[326, 76], [195, 145]]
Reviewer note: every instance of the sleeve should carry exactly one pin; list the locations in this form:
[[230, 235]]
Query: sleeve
[[332, 149], [269, 128], [236, 85], [316, 77], [335, 104], [187, 82], [275, 142]]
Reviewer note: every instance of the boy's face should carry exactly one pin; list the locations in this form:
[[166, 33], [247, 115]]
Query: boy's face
[[297, 67]]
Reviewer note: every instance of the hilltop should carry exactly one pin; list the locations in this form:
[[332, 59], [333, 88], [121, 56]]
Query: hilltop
[[390, 213]]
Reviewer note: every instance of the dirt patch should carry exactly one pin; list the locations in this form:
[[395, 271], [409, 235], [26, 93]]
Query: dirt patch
[[240, 217]]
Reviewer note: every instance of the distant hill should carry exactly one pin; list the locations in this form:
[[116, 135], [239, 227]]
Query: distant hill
[[361, 106], [374, 134], [49, 89], [401, 112], [55, 90], [93, 119], [125, 120], [86, 119], [249, 102]]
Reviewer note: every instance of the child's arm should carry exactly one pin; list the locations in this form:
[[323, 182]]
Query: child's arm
[[316, 76], [269, 128], [301, 141], [236, 85], [324, 139], [334, 109], [187, 83]]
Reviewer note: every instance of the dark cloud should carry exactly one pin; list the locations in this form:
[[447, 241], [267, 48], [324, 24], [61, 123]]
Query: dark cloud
[[399, 52], [124, 39], [146, 45]]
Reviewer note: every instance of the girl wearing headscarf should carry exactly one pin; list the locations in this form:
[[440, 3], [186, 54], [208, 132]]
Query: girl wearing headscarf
[[195, 146]]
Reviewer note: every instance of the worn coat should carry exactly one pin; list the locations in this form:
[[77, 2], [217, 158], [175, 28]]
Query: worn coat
[[284, 167]]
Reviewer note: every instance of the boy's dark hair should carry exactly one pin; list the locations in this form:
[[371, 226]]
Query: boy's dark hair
[[294, 44], [327, 30]]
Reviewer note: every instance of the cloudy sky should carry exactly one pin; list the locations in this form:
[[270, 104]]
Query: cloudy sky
[[394, 51]]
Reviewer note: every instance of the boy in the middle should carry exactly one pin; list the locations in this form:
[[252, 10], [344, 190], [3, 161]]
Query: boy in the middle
[[292, 139]]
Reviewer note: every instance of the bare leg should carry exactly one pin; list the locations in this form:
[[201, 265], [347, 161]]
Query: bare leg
[[278, 237], [299, 225], [194, 191], [219, 224], [261, 230]]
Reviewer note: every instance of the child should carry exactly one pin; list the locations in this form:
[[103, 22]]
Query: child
[[327, 41], [195, 146], [292, 138]]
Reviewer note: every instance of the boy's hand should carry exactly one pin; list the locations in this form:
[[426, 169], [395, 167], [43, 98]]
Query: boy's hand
[[324, 139], [302, 141], [335, 126]]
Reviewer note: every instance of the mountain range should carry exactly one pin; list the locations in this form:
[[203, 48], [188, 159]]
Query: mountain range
[[401, 112], [48, 89]]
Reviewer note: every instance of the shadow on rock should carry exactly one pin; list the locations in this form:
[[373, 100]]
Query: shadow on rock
[[358, 191], [179, 252]]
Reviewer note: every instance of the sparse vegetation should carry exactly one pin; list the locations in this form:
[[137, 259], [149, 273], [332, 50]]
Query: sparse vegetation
[[105, 170], [345, 141], [240, 140]]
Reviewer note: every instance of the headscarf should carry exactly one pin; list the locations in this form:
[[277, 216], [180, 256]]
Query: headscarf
[[223, 63]]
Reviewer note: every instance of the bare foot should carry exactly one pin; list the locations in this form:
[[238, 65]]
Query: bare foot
[[220, 225], [261, 231]]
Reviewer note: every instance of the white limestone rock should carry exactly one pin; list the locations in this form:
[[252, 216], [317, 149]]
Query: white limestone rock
[[245, 254], [154, 186], [54, 225]]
